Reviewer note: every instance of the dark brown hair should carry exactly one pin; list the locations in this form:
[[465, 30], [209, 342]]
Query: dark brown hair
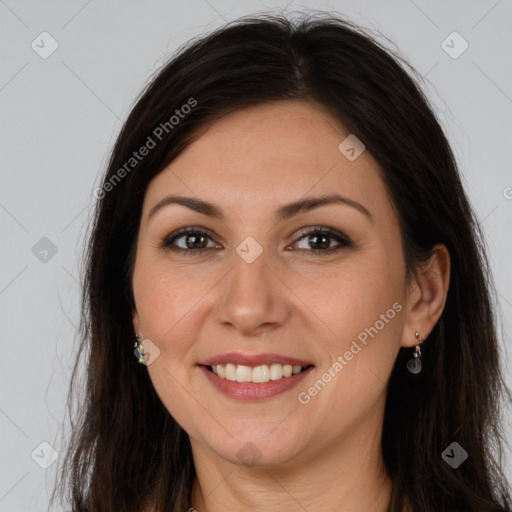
[[126, 449]]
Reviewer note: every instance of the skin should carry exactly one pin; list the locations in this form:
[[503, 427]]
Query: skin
[[324, 455]]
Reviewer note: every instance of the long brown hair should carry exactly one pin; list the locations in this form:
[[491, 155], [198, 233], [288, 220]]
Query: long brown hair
[[126, 450]]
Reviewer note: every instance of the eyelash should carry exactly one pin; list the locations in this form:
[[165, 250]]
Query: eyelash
[[343, 240]]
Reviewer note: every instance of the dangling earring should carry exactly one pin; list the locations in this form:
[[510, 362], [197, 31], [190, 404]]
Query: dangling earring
[[139, 350], [414, 364]]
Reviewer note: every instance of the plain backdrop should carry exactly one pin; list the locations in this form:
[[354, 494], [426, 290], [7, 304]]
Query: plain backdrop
[[60, 114]]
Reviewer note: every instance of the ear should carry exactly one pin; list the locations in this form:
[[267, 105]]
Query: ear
[[136, 321], [426, 296]]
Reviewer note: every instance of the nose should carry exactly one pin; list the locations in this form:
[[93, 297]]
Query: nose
[[253, 297]]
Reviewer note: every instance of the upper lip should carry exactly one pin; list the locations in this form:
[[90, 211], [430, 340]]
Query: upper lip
[[254, 360]]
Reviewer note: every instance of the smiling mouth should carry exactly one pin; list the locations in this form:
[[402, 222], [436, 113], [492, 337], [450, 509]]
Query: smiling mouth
[[257, 374]]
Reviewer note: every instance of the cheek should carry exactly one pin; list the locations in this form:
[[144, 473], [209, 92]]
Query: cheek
[[173, 301], [165, 302], [355, 296], [164, 297], [362, 307]]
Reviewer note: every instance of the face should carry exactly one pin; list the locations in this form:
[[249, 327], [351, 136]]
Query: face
[[260, 289]]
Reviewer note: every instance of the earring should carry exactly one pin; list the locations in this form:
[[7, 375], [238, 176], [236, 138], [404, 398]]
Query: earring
[[414, 364], [139, 350]]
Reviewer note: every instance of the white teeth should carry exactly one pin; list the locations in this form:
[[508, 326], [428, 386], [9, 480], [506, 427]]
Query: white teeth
[[260, 374], [276, 371], [243, 373], [230, 371], [287, 370]]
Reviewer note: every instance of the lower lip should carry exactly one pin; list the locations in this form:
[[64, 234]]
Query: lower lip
[[251, 391]]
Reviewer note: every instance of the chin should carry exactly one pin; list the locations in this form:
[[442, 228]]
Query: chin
[[257, 448]]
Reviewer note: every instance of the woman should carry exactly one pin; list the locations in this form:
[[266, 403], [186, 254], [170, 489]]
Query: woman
[[287, 303]]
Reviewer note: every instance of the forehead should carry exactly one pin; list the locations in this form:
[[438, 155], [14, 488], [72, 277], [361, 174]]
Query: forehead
[[270, 154]]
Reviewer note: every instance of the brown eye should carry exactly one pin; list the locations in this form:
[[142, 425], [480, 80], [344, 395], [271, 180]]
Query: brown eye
[[318, 240], [192, 240]]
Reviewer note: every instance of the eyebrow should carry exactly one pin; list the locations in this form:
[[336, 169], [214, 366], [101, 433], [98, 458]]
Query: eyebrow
[[283, 213]]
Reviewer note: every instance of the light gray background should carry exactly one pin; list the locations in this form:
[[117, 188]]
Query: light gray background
[[60, 116]]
